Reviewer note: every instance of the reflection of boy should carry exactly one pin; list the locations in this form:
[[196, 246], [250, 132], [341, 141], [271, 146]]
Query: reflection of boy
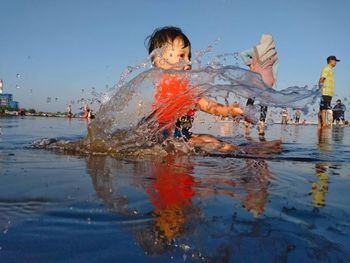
[[171, 195]]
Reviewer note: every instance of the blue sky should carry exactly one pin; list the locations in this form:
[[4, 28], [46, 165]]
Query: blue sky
[[62, 47]]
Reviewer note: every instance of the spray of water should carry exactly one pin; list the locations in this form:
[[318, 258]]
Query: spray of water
[[129, 116]]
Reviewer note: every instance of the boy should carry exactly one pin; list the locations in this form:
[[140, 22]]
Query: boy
[[175, 54]]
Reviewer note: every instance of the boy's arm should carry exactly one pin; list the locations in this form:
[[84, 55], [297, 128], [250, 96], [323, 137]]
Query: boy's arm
[[215, 108]]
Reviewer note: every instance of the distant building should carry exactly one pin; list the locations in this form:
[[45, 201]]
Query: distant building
[[5, 99], [14, 105]]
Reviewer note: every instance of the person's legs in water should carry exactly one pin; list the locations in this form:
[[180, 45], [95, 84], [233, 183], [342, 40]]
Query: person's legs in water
[[263, 113], [250, 103], [325, 105]]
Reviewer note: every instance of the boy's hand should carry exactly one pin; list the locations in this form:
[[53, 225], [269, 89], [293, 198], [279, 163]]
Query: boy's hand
[[235, 110]]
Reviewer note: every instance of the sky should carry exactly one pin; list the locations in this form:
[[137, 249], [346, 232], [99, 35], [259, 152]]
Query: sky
[[56, 49]]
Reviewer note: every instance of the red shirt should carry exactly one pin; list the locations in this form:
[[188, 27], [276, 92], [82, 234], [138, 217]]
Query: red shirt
[[173, 99]]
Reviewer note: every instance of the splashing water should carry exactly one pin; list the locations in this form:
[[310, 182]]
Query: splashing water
[[130, 119], [200, 53]]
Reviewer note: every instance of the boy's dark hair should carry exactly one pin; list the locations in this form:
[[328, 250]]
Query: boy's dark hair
[[164, 35]]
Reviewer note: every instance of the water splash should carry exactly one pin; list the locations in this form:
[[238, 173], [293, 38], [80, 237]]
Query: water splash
[[128, 118], [199, 54]]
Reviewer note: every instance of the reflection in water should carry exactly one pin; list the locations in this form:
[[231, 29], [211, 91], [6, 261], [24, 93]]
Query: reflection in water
[[171, 194], [296, 133], [106, 175], [170, 190], [338, 134], [226, 129], [324, 140], [319, 189], [256, 187], [168, 186], [178, 197]]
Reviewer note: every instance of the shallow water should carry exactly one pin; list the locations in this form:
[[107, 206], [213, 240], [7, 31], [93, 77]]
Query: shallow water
[[290, 207]]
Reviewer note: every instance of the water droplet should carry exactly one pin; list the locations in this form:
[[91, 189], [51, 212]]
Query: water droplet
[[18, 75], [17, 86]]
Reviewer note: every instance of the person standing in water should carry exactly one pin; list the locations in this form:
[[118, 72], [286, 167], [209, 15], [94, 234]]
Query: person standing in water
[[326, 84], [86, 111], [339, 113], [262, 59], [297, 116], [284, 114], [69, 111]]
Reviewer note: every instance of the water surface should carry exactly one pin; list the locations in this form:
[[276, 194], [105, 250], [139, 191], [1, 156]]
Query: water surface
[[290, 207]]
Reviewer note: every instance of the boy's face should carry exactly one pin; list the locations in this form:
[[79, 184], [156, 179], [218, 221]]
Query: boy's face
[[174, 56]]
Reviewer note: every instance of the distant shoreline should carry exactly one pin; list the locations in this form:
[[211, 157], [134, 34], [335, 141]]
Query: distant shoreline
[[55, 115]]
